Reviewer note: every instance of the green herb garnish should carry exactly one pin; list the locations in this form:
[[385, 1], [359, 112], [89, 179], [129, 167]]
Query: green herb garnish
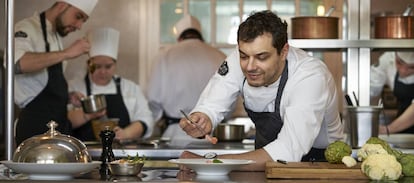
[[217, 161]]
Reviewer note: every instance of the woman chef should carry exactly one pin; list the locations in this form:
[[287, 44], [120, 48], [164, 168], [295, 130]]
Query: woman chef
[[124, 98]]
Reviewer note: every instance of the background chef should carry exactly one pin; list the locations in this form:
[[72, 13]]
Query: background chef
[[124, 98], [179, 74], [395, 69], [40, 86]]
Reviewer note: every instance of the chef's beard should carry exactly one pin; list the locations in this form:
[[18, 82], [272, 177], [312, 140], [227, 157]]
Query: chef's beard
[[60, 28]]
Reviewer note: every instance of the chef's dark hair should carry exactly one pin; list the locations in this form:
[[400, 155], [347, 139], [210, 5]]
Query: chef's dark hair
[[191, 34], [262, 22]]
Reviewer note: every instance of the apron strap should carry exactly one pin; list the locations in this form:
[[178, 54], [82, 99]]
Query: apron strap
[[44, 32]]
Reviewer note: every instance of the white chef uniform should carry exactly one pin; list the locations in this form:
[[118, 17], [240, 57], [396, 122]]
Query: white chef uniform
[[134, 99], [29, 38], [384, 72], [308, 105], [104, 42], [179, 74]]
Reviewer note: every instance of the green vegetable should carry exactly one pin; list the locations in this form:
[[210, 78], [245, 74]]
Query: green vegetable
[[135, 159], [407, 163], [217, 161], [336, 151]]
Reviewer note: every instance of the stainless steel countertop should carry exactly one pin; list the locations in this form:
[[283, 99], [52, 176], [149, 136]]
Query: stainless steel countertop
[[170, 150]]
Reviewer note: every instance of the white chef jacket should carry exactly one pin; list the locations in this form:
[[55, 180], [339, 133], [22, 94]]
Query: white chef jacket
[[27, 86], [384, 73], [179, 74], [308, 105], [134, 99]]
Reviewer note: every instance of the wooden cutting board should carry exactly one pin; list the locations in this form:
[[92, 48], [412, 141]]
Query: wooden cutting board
[[313, 170]]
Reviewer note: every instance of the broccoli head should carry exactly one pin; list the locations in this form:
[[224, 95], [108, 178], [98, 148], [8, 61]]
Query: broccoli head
[[407, 163], [336, 151]]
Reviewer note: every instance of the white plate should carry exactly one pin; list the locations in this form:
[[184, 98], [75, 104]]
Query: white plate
[[206, 167], [55, 171], [399, 140]]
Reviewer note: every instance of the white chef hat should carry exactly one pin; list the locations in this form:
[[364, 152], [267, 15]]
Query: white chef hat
[[187, 22], [406, 56], [104, 42], [85, 5]]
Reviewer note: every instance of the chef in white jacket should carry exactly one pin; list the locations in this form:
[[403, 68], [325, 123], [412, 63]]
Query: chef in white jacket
[[40, 58], [124, 98], [395, 69], [290, 96], [179, 74]]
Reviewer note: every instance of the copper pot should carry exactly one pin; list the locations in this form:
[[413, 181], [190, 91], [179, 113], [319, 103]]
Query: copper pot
[[394, 27], [315, 27]]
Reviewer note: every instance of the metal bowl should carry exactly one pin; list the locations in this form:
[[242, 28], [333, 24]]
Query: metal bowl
[[229, 132], [93, 103], [118, 168], [52, 147]]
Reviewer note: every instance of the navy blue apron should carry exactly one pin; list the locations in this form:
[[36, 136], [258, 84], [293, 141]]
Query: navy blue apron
[[269, 124], [404, 94], [115, 109], [49, 105]]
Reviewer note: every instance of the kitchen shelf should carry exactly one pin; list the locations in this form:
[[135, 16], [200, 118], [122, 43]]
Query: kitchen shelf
[[337, 43]]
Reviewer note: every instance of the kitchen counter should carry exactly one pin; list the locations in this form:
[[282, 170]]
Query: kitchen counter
[[156, 150], [153, 174], [158, 169], [169, 150]]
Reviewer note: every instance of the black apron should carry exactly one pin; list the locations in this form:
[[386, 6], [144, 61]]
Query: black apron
[[269, 124], [49, 105], [404, 94], [115, 108]]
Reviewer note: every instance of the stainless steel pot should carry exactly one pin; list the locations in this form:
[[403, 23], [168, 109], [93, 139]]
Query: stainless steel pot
[[229, 132], [93, 103], [52, 147]]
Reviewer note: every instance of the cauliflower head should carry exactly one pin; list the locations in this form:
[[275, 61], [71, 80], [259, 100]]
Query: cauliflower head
[[336, 151], [385, 145], [381, 167], [349, 161], [407, 163], [369, 149]]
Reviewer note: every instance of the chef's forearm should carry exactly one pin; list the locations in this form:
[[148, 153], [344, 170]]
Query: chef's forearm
[[134, 130], [32, 62]]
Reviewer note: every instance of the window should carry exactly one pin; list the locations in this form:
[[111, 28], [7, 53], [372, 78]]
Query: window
[[220, 29]]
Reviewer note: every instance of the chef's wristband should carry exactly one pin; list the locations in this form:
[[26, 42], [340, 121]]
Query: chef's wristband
[[144, 128]]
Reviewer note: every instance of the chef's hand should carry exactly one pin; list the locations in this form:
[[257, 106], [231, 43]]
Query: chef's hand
[[79, 47], [120, 134], [201, 127], [75, 98]]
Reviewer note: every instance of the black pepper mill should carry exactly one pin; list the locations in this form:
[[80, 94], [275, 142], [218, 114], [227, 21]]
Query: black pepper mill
[[107, 137]]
